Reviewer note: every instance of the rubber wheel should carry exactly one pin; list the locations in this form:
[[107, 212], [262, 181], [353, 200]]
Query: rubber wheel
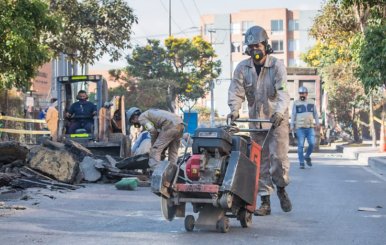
[[189, 223], [245, 218], [168, 210], [223, 225]]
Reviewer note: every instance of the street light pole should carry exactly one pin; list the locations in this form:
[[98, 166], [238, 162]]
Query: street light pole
[[170, 18], [211, 31]]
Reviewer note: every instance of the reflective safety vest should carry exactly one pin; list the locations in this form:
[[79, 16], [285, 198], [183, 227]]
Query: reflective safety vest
[[304, 113]]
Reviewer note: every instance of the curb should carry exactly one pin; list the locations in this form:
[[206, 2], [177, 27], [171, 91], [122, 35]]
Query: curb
[[378, 164]]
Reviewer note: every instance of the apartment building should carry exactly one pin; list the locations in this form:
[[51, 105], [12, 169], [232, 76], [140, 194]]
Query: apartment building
[[288, 35]]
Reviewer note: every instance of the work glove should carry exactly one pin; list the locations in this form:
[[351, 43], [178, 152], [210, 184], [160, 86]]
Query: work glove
[[233, 116], [276, 119]]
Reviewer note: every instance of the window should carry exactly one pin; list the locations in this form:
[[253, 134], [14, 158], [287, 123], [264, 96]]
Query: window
[[276, 25], [293, 45], [236, 28], [293, 25], [236, 47], [207, 28], [247, 25], [277, 45]]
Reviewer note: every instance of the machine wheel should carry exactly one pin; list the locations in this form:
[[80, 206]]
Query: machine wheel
[[223, 225], [168, 209], [189, 223], [245, 218]]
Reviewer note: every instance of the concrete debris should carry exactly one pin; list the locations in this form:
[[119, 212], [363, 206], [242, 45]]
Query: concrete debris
[[111, 160], [6, 178], [60, 166], [90, 173], [11, 151]]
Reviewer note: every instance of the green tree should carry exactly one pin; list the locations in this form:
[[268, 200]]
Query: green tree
[[346, 95], [92, 28], [143, 95], [369, 54], [23, 26], [180, 71], [334, 29], [370, 17]]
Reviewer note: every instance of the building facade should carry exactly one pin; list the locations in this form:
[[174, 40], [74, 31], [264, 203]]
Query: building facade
[[288, 35]]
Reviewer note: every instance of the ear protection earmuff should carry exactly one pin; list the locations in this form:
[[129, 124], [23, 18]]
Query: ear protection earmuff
[[268, 49]]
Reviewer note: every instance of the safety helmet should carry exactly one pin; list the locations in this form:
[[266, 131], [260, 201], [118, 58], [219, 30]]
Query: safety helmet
[[132, 112], [255, 35], [303, 89]]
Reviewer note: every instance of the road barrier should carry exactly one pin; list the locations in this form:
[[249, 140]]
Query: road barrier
[[23, 131]]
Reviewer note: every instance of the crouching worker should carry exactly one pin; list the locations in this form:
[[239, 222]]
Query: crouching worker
[[165, 128]]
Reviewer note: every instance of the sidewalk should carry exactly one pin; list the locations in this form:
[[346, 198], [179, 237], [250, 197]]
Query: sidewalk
[[364, 153]]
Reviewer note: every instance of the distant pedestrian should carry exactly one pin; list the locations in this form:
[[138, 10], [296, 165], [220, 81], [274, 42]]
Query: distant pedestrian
[[42, 113], [303, 115], [52, 118]]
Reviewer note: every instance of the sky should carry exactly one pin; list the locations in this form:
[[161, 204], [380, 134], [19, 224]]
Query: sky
[[153, 18]]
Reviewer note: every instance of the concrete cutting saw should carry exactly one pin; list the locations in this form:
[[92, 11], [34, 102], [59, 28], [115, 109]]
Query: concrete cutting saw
[[220, 179]]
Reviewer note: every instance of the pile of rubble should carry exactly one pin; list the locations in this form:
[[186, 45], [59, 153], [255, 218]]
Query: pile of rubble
[[56, 165]]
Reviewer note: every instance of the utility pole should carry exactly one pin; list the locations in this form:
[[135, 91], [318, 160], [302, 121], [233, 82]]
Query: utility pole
[[211, 31], [170, 18]]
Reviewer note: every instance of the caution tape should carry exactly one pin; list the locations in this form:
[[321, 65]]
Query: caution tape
[[377, 120], [16, 119], [22, 131]]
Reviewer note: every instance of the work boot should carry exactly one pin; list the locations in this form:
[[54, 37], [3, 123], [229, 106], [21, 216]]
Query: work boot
[[308, 161], [265, 208], [285, 202]]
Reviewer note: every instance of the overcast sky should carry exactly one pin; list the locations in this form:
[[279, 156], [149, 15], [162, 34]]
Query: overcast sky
[[153, 17]]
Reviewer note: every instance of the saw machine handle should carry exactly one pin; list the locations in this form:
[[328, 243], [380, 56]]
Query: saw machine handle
[[253, 129]]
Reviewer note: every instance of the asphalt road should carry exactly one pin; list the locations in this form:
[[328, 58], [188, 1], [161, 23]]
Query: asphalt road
[[326, 201]]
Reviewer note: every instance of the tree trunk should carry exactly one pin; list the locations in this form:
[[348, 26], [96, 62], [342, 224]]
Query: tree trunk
[[355, 126], [372, 128], [171, 99]]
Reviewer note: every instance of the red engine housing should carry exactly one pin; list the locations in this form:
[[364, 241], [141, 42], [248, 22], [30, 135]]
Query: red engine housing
[[193, 167]]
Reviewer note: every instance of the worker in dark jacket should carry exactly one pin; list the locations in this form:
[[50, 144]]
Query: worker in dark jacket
[[81, 113]]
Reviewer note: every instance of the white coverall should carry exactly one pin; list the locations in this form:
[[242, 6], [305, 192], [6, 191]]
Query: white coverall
[[166, 133], [265, 95]]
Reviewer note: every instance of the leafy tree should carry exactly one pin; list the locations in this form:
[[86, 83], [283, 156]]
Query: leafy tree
[[345, 93], [142, 95], [23, 25], [179, 71], [370, 55], [334, 29], [370, 16], [92, 28]]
